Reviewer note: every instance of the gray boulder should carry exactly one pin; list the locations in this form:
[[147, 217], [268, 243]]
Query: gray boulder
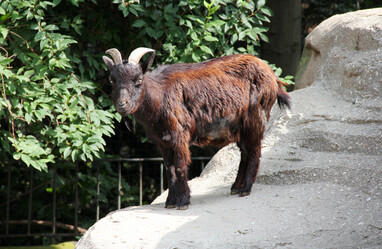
[[320, 180]]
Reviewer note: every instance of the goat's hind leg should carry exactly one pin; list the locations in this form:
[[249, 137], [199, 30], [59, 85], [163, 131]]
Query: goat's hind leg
[[249, 164], [253, 163], [239, 182]]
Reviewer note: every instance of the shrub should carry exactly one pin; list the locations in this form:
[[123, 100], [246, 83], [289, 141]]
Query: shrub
[[50, 108], [52, 102]]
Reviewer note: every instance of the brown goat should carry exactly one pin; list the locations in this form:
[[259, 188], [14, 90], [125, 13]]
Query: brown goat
[[215, 102]]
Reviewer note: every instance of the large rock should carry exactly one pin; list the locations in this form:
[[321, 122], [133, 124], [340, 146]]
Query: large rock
[[344, 55], [319, 185]]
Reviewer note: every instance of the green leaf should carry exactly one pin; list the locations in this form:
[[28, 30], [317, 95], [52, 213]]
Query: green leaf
[[210, 38], [262, 17], [108, 130], [260, 4], [170, 9], [206, 4], [263, 37], [244, 19], [51, 27], [216, 23], [39, 36], [16, 155], [3, 33], [67, 152], [83, 157], [278, 71], [56, 2], [26, 159], [183, 3], [134, 11], [195, 18], [5, 61], [74, 155], [252, 35], [75, 2], [195, 57], [214, 9], [206, 50], [139, 23], [28, 117], [241, 35], [5, 145], [266, 11], [194, 36], [226, 28], [230, 51], [150, 31], [233, 38]]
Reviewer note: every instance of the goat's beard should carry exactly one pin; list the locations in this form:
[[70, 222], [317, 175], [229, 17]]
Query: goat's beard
[[124, 113], [128, 110]]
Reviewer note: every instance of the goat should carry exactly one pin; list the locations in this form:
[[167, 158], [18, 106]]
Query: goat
[[215, 102]]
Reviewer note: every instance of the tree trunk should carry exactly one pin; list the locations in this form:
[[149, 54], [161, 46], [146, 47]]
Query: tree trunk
[[284, 48]]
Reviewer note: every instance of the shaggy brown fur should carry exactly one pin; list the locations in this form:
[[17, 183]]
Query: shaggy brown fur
[[215, 102]]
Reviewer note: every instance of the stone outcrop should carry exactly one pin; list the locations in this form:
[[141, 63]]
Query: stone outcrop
[[319, 185]]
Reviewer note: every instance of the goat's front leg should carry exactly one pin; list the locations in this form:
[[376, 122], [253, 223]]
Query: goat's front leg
[[181, 160], [176, 163], [168, 158], [172, 188]]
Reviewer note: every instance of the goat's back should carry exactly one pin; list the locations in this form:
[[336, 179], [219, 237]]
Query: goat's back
[[213, 98]]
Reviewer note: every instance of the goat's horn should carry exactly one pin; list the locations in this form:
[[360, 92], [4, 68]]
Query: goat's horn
[[138, 53], [115, 54]]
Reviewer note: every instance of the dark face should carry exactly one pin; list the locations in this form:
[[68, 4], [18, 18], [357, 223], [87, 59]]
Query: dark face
[[127, 94]]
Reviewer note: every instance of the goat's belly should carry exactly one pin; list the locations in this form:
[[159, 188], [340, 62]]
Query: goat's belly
[[219, 133]]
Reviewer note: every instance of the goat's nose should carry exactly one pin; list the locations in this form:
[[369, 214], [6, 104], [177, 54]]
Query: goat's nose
[[121, 103]]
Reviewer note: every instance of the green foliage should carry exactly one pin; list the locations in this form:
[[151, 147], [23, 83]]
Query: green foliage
[[49, 106], [52, 103], [196, 30]]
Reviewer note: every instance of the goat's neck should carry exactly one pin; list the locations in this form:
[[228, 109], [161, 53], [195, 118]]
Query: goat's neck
[[149, 109]]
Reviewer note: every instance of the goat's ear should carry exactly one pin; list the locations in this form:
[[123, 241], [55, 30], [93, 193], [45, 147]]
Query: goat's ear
[[109, 62], [147, 64]]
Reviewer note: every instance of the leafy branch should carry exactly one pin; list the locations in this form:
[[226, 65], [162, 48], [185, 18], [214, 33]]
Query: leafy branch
[[51, 115]]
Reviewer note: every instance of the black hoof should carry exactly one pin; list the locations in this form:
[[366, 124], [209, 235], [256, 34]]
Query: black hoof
[[170, 206], [245, 193], [234, 191], [185, 207]]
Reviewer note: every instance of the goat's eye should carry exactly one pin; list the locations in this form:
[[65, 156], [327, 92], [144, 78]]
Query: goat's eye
[[111, 82]]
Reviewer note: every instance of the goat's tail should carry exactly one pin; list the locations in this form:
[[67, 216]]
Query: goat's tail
[[283, 98]]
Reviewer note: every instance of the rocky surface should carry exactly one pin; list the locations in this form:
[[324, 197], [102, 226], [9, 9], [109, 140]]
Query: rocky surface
[[320, 181]]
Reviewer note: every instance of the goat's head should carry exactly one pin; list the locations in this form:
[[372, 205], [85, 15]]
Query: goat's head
[[126, 78]]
